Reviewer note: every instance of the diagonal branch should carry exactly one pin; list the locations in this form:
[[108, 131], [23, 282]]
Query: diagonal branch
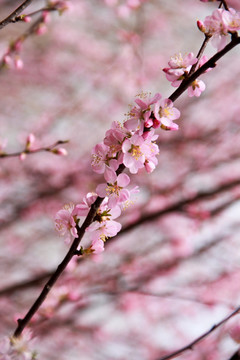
[[15, 13], [200, 338]]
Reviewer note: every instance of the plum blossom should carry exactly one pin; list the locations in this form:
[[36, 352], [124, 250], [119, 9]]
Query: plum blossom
[[179, 67], [65, 222], [219, 25], [231, 19], [100, 160], [13, 348], [139, 116], [101, 230], [135, 152], [114, 138], [165, 113], [104, 226], [114, 190], [151, 160], [196, 88], [82, 209]]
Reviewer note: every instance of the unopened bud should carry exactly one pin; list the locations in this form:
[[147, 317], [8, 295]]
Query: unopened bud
[[18, 63], [22, 156], [27, 18], [30, 140], [201, 26], [59, 151]]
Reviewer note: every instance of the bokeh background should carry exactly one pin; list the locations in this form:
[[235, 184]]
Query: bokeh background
[[173, 271]]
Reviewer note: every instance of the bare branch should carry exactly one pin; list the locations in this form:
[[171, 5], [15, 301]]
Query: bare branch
[[200, 338], [15, 13]]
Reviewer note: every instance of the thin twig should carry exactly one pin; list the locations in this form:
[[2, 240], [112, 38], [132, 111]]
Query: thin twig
[[200, 338], [15, 13], [30, 151]]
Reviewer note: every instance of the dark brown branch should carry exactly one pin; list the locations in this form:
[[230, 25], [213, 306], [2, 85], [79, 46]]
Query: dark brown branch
[[211, 63], [15, 13], [61, 267], [89, 219], [200, 338]]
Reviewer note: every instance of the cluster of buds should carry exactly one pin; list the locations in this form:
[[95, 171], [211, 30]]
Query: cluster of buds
[[219, 25], [11, 59], [130, 145]]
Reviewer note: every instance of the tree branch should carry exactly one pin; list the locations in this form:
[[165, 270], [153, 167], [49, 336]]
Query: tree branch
[[200, 338], [14, 14]]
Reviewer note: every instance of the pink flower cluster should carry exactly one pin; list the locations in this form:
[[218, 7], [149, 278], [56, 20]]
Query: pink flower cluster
[[12, 348], [129, 145], [219, 25], [179, 68]]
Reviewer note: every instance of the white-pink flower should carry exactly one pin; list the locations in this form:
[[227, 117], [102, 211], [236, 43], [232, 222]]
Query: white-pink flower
[[196, 88], [12, 348], [65, 222], [114, 190], [101, 161], [179, 66], [165, 113], [83, 208], [104, 229], [97, 246], [135, 152], [114, 138], [231, 19], [218, 25]]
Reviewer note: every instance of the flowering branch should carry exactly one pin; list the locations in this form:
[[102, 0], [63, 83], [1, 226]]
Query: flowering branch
[[27, 150], [95, 205], [211, 63], [13, 16], [200, 338], [132, 145]]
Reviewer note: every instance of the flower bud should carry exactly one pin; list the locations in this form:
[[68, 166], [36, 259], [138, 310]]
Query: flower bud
[[30, 140], [59, 151], [201, 26]]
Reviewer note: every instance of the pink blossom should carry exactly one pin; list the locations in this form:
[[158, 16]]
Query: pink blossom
[[140, 116], [235, 333], [231, 19], [135, 152], [104, 229], [17, 347], [83, 208], [145, 101], [101, 161], [215, 26], [65, 222], [30, 140], [97, 246], [178, 67], [165, 113], [114, 138], [114, 190], [196, 88], [60, 151]]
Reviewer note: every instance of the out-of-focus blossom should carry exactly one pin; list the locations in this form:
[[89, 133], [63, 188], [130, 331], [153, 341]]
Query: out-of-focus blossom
[[65, 222]]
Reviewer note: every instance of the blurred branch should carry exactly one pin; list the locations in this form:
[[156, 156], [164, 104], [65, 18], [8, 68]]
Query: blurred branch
[[200, 338], [12, 17], [27, 151]]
